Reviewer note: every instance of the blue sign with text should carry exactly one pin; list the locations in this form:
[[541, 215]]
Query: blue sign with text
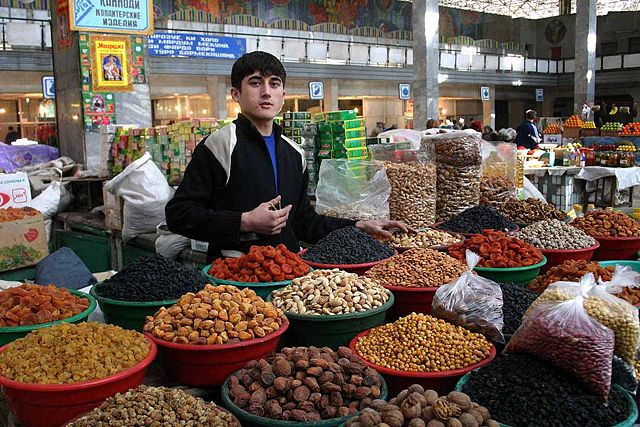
[[112, 16], [196, 46]]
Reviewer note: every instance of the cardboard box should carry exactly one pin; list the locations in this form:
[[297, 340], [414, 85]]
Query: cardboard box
[[23, 242], [15, 190], [113, 210]]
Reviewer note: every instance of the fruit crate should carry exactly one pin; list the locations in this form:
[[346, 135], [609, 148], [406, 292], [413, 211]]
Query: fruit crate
[[590, 132], [571, 132]]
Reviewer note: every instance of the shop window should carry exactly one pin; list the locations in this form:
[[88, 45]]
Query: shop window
[[634, 44], [609, 48]]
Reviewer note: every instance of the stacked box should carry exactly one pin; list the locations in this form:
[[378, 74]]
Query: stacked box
[[341, 136], [294, 123], [170, 147]]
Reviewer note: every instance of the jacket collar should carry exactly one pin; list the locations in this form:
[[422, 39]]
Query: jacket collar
[[245, 125]]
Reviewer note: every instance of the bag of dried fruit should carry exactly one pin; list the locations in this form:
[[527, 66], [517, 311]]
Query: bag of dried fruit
[[472, 302], [559, 329]]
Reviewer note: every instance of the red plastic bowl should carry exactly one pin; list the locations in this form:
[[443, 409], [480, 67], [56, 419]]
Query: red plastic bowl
[[52, 405], [616, 248], [409, 300], [210, 365], [442, 382], [558, 256], [359, 269]]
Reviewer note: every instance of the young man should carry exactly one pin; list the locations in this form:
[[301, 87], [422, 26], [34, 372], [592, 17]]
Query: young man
[[528, 136], [246, 183]]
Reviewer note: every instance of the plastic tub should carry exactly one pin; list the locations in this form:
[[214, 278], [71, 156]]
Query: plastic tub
[[635, 265], [127, 314], [52, 405], [332, 331], [249, 420], [262, 289], [210, 365], [617, 248], [9, 334], [520, 276], [442, 382], [558, 256], [629, 422], [359, 269], [409, 300]]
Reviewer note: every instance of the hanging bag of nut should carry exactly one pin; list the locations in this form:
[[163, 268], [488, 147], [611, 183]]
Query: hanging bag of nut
[[498, 182], [560, 330], [459, 167], [353, 189], [412, 174], [471, 301]]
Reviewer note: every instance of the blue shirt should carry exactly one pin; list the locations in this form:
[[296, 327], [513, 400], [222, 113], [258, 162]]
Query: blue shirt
[[270, 141]]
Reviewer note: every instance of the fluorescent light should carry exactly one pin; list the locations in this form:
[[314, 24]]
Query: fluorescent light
[[2, 111], [591, 42], [431, 24], [589, 76], [517, 83]]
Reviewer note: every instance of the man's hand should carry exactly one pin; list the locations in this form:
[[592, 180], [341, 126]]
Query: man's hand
[[264, 220], [381, 227]]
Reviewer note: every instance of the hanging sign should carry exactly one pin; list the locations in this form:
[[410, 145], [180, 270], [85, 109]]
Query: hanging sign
[[112, 16], [111, 63], [316, 90], [48, 87], [196, 46], [484, 93], [539, 95], [404, 91]]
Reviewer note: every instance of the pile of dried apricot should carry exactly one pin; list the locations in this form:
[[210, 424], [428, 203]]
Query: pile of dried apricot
[[12, 214], [34, 304], [497, 250], [261, 264]]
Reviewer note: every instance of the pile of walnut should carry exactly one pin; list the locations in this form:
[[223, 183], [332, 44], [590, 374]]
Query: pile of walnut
[[305, 384], [416, 407]]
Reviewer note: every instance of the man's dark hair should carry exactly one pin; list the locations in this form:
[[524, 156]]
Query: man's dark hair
[[531, 114], [264, 63], [11, 128]]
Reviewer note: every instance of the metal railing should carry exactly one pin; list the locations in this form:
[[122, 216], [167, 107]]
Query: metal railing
[[18, 33]]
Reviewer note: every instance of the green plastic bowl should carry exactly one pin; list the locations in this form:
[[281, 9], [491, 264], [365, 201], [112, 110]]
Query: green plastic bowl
[[249, 420], [262, 289], [629, 422], [10, 334], [128, 314], [332, 331], [520, 276], [635, 265]]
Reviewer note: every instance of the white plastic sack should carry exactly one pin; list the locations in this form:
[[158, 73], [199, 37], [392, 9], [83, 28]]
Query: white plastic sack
[[145, 193], [353, 189], [168, 244]]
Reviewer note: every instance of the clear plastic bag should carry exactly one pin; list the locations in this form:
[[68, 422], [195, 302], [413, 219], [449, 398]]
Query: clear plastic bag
[[459, 168], [624, 375], [353, 189], [564, 334], [412, 175], [472, 301], [499, 162]]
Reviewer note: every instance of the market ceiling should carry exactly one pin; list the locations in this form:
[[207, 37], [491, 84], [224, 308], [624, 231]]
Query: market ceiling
[[536, 9]]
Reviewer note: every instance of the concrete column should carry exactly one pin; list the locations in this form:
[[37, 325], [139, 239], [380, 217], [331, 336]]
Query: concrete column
[[217, 90], [489, 108], [584, 83], [426, 65], [330, 95]]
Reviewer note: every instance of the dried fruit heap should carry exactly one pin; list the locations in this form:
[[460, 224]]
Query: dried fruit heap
[[261, 264], [601, 223], [34, 304], [12, 214], [497, 250]]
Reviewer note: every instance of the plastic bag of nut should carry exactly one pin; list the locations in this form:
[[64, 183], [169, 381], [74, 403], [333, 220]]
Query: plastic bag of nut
[[471, 301], [412, 175], [563, 333], [498, 183], [459, 167], [353, 189]]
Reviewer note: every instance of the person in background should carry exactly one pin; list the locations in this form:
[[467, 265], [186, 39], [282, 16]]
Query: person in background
[[476, 125], [378, 129], [528, 135], [246, 183], [12, 135], [488, 134], [431, 123]]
